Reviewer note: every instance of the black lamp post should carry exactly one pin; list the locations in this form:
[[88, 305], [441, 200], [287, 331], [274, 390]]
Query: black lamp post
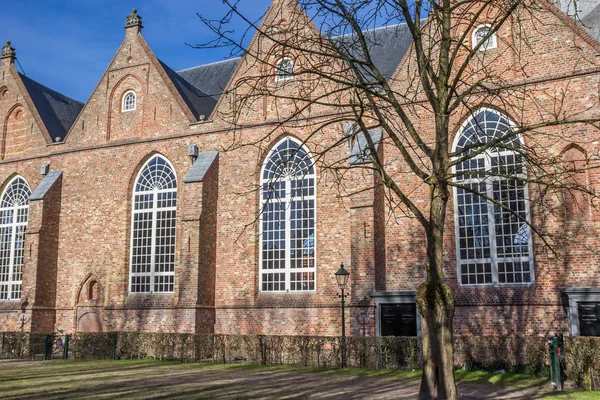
[[342, 279]]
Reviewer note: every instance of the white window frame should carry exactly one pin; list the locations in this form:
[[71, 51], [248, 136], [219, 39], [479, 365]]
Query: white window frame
[[13, 225], [153, 239], [492, 41], [489, 181], [282, 75], [124, 105], [288, 270]]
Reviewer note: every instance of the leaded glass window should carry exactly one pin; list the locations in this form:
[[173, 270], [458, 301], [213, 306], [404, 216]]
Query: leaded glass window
[[153, 228], [129, 101], [287, 259], [491, 204], [479, 35], [284, 69], [14, 209]]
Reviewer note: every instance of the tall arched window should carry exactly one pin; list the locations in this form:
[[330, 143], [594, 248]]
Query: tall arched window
[[492, 232], [14, 208], [153, 228], [287, 259]]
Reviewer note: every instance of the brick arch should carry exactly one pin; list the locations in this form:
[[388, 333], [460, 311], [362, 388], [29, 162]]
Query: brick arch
[[123, 85], [3, 91], [576, 204], [90, 322], [452, 134], [81, 297], [12, 112], [264, 152], [8, 180]]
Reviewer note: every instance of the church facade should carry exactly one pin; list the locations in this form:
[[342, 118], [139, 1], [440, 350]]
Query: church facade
[[130, 213]]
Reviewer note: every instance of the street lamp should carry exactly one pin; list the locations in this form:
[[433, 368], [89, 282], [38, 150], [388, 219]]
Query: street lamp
[[342, 279]]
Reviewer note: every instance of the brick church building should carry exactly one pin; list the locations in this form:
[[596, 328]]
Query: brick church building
[[130, 213]]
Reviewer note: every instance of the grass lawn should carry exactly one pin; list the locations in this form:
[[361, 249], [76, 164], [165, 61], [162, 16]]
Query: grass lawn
[[144, 379]]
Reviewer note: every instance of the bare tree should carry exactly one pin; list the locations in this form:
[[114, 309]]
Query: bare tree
[[473, 67]]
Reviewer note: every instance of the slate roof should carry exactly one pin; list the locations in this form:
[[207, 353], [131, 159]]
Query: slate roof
[[387, 47], [197, 100], [58, 112], [200, 166], [591, 22], [211, 78], [40, 192]]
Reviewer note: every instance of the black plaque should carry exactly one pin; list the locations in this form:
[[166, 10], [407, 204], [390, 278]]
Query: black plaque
[[589, 319], [398, 320]]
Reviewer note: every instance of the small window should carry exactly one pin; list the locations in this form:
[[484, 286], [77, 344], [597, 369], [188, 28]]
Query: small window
[[284, 69], [480, 33], [129, 101]]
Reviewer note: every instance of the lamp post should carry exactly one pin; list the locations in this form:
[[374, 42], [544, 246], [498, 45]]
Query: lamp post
[[342, 279]]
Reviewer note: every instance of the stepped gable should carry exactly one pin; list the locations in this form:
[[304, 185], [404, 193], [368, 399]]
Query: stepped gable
[[200, 103], [58, 112]]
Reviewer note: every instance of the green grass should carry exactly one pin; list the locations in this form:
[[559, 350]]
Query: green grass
[[503, 379], [142, 379]]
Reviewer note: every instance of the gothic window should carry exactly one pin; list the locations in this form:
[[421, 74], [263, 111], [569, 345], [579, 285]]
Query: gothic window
[[14, 207], [287, 259], [480, 33], [491, 204], [129, 101], [284, 69], [153, 228]]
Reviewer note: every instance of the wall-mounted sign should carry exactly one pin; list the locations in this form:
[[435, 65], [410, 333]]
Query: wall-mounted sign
[[589, 319]]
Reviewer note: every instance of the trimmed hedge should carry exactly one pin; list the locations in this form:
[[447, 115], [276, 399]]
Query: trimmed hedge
[[524, 354]]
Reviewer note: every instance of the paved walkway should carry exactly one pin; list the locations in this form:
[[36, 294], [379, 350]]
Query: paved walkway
[[155, 380]]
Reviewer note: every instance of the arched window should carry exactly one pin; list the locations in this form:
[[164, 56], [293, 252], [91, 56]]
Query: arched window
[[153, 228], [287, 259], [129, 101], [14, 208], [480, 33], [284, 69], [491, 204]]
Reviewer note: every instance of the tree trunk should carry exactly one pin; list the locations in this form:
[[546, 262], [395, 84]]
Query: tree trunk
[[436, 309], [435, 302]]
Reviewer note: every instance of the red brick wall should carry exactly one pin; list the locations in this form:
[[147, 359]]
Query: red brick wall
[[86, 226]]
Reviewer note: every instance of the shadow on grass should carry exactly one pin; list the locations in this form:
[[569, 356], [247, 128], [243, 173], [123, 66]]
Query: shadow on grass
[[145, 379]]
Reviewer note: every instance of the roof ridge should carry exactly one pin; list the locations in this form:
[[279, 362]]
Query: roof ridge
[[49, 88], [210, 63]]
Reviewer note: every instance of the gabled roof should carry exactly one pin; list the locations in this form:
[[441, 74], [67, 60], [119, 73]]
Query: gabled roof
[[58, 112], [387, 46], [197, 100], [211, 78]]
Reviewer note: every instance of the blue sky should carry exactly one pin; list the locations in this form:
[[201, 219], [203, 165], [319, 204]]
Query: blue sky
[[66, 45]]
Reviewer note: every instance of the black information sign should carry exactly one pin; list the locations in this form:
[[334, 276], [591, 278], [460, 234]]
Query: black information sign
[[589, 319], [398, 320]]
